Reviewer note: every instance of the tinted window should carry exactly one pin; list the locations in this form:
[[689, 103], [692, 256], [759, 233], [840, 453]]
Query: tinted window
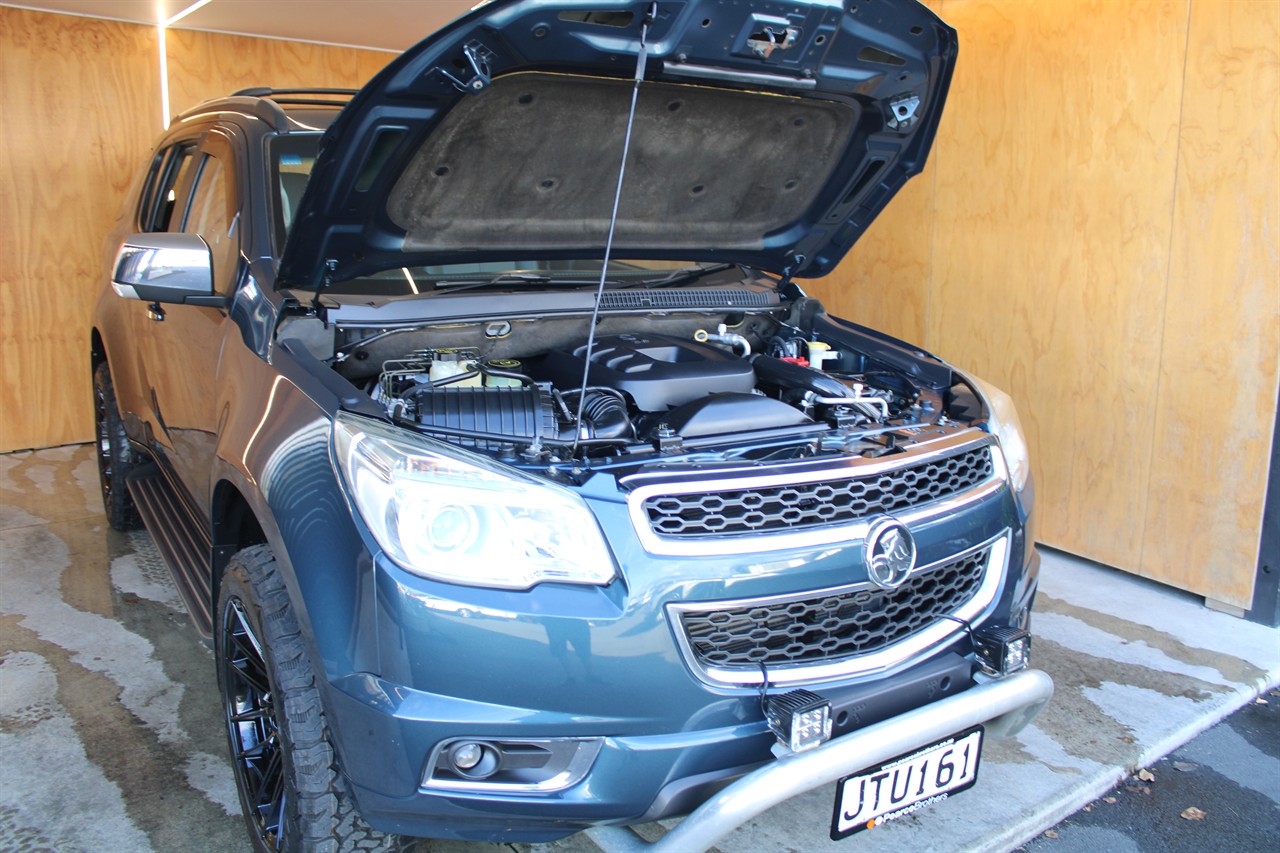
[[211, 214], [161, 196], [292, 158]]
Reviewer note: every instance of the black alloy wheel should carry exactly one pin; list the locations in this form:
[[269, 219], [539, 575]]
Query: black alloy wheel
[[256, 747], [115, 454], [291, 791]]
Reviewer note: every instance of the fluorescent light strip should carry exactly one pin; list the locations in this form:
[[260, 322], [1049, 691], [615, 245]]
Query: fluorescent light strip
[[161, 26], [164, 78], [186, 11]]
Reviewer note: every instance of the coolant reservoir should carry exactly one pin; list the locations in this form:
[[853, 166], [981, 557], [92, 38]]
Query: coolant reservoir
[[447, 363], [503, 365], [819, 354]]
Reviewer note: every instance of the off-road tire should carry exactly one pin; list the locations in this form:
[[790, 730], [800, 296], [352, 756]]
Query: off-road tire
[[318, 813], [116, 457]]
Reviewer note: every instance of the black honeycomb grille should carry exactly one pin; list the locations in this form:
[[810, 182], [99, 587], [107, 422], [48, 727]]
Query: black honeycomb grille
[[835, 626], [806, 505]]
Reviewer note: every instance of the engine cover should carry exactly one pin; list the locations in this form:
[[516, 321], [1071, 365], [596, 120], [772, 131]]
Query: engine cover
[[656, 371]]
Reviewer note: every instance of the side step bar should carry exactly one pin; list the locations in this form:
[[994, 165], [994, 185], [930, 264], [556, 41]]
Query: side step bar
[[185, 545]]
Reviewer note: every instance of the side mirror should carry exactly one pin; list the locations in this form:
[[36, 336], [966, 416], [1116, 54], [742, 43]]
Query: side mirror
[[163, 267]]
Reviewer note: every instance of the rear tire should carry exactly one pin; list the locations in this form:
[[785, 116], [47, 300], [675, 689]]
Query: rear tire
[[116, 457], [291, 791]]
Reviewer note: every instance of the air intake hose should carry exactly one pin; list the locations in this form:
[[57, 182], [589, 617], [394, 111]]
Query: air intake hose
[[787, 376], [605, 415]]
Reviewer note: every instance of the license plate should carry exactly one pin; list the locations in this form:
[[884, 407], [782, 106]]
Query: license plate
[[904, 785]]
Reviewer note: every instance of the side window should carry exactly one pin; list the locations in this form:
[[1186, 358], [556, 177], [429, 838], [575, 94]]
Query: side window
[[155, 211], [211, 214]]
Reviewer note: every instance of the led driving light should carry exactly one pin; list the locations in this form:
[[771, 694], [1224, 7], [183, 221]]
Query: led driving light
[[1002, 651], [800, 719], [454, 516]]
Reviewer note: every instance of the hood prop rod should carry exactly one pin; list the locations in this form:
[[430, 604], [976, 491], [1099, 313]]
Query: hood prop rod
[[641, 57]]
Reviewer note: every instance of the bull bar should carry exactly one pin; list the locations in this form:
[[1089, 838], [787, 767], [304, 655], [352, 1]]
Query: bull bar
[[1003, 706]]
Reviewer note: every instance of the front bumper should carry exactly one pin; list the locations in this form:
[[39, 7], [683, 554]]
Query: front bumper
[[1004, 706]]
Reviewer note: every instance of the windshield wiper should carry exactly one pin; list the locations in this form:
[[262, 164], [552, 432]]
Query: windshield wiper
[[462, 285], [680, 276]]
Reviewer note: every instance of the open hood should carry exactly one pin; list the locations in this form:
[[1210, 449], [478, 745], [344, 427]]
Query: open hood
[[765, 134]]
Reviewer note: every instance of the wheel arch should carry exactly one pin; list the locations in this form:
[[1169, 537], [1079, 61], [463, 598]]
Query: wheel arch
[[234, 527], [97, 350]]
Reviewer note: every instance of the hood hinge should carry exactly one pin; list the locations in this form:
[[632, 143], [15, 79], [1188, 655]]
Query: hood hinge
[[902, 111], [786, 286], [478, 59], [326, 281]]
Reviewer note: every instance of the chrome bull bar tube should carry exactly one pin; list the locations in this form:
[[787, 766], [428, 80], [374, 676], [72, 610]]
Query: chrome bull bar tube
[[1004, 706]]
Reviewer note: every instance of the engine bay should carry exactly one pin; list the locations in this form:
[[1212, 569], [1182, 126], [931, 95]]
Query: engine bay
[[545, 390]]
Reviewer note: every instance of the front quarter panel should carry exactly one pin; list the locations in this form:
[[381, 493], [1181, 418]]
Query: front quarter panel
[[274, 449]]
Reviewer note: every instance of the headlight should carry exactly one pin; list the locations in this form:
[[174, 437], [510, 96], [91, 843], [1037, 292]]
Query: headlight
[[1005, 425], [446, 514]]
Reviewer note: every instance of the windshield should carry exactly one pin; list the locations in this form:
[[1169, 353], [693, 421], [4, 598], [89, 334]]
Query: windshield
[[292, 158]]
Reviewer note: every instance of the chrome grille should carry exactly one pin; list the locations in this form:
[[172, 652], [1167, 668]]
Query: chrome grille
[[797, 506], [826, 627]]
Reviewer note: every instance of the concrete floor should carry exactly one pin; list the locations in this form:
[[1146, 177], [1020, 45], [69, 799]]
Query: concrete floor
[[110, 737], [1230, 773]]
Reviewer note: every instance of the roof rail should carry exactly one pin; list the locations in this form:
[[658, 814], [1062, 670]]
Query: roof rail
[[297, 97], [268, 92], [271, 102]]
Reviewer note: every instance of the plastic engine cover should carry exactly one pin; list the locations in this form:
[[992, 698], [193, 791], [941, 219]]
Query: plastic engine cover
[[656, 371]]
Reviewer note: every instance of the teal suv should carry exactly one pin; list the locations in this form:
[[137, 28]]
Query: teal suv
[[497, 450]]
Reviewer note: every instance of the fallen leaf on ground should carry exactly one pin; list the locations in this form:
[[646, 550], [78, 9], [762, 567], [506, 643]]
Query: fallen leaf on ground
[[1108, 799], [1185, 766], [1146, 776], [1193, 813], [1050, 833], [1260, 701], [1127, 739], [1088, 808]]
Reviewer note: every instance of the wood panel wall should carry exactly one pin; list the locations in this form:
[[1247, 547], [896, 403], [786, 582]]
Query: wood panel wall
[[80, 103], [209, 65], [1221, 333], [80, 100], [1097, 233]]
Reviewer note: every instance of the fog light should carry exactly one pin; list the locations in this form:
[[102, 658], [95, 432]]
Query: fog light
[[800, 719], [473, 760], [1002, 651], [467, 755]]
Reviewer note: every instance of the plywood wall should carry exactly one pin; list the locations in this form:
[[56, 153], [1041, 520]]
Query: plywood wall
[[1221, 329], [80, 109], [209, 65], [80, 104], [1097, 233], [1053, 204]]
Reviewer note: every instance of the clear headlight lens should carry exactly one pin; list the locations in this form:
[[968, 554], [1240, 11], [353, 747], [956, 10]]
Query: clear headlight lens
[[453, 516], [1006, 427]]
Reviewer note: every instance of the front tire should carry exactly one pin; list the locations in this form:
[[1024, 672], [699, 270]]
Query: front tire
[[116, 457], [286, 771]]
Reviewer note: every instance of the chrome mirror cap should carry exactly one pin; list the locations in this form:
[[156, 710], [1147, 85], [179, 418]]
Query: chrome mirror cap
[[163, 267]]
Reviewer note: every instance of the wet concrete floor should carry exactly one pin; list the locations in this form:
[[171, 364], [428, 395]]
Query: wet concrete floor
[[110, 738], [1220, 791]]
